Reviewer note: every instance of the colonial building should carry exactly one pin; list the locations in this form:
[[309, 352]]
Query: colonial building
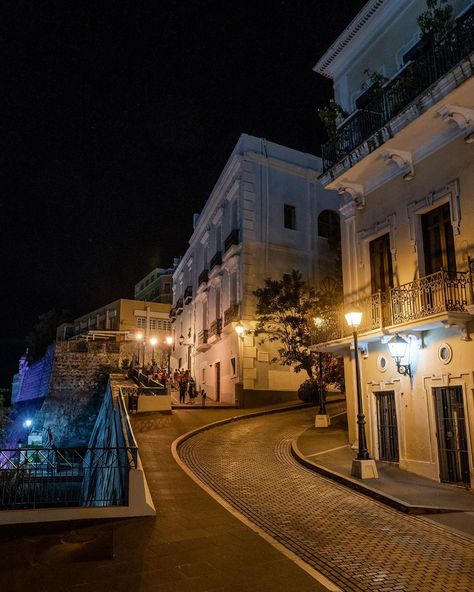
[[403, 165], [145, 324], [266, 215], [156, 286]]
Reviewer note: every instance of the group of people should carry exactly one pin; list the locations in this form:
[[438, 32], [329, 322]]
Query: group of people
[[181, 380], [186, 386]]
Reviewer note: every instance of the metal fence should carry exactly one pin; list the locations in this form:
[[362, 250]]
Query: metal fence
[[443, 291], [32, 478]]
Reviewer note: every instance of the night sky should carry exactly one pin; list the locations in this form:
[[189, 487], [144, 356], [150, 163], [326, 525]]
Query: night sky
[[117, 119]]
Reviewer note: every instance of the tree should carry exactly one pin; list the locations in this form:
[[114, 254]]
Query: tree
[[285, 310], [436, 20], [44, 331], [4, 418]]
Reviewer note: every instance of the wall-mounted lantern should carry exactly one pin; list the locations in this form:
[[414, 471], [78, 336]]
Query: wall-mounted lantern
[[398, 349]]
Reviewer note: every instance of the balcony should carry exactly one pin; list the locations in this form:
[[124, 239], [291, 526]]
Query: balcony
[[215, 330], [179, 306], [232, 239], [231, 314], [440, 293], [173, 314], [365, 125], [203, 277], [188, 295], [202, 344], [215, 261]]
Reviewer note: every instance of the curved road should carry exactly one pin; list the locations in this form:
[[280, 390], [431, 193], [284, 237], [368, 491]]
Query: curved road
[[356, 542]]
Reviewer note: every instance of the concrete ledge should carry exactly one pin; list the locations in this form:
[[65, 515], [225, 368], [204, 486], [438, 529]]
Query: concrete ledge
[[362, 488], [140, 504]]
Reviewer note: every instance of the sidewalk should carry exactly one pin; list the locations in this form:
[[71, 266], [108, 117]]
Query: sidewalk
[[175, 404], [328, 452]]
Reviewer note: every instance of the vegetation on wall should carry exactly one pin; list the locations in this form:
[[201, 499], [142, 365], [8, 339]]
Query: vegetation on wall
[[330, 115], [44, 332], [436, 20]]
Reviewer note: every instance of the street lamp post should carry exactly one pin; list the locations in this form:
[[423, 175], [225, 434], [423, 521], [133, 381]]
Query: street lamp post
[[139, 338], [153, 342], [322, 419], [27, 425], [362, 466], [169, 343], [240, 330]]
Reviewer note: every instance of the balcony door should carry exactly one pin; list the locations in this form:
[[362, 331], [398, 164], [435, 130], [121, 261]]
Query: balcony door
[[381, 272], [438, 240], [218, 380], [387, 426], [451, 435]]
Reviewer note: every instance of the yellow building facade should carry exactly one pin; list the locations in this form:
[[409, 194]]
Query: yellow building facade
[[403, 165]]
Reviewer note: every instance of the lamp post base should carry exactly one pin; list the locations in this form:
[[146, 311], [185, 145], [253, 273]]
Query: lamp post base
[[364, 469], [322, 421]]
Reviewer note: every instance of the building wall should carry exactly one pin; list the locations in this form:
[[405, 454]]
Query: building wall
[[257, 182], [380, 48]]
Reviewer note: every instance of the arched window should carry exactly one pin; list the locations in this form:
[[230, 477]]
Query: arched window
[[329, 226]]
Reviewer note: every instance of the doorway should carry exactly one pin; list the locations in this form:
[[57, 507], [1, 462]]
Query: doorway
[[218, 381], [387, 426], [451, 435]]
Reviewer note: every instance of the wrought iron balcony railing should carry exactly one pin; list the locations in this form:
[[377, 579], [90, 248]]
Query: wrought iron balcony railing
[[216, 260], [188, 295], [203, 277], [202, 337], [179, 306], [232, 239], [231, 314], [411, 83], [215, 328], [440, 292]]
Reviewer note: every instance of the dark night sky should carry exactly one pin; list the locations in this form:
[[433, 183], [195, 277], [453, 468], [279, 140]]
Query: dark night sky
[[118, 118]]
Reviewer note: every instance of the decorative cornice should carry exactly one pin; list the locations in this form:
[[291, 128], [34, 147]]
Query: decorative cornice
[[351, 32]]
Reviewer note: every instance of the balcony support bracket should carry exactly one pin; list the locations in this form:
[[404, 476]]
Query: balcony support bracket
[[462, 116], [355, 191], [403, 159], [460, 320]]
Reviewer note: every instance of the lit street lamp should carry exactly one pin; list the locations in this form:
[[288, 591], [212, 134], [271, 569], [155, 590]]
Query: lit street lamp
[[139, 338], [362, 466], [27, 425], [153, 342]]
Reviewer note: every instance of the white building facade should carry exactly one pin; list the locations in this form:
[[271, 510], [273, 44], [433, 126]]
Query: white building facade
[[403, 164], [261, 220]]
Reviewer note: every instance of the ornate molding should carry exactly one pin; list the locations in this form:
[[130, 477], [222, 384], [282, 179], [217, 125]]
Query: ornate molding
[[416, 208], [365, 235]]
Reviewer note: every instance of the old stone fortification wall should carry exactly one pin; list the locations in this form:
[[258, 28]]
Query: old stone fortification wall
[[78, 382]]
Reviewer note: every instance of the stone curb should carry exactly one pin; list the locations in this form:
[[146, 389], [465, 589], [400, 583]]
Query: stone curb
[[384, 498], [235, 418]]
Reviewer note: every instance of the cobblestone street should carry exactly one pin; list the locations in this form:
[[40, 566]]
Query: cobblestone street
[[356, 542]]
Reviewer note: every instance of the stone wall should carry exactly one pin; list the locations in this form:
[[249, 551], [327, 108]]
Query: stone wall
[[78, 382]]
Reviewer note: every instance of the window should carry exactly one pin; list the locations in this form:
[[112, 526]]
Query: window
[[329, 227], [233, 366], [381, 272], [289, 216], [141, 322], [152, 324], [438, 240], [167, 288]]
